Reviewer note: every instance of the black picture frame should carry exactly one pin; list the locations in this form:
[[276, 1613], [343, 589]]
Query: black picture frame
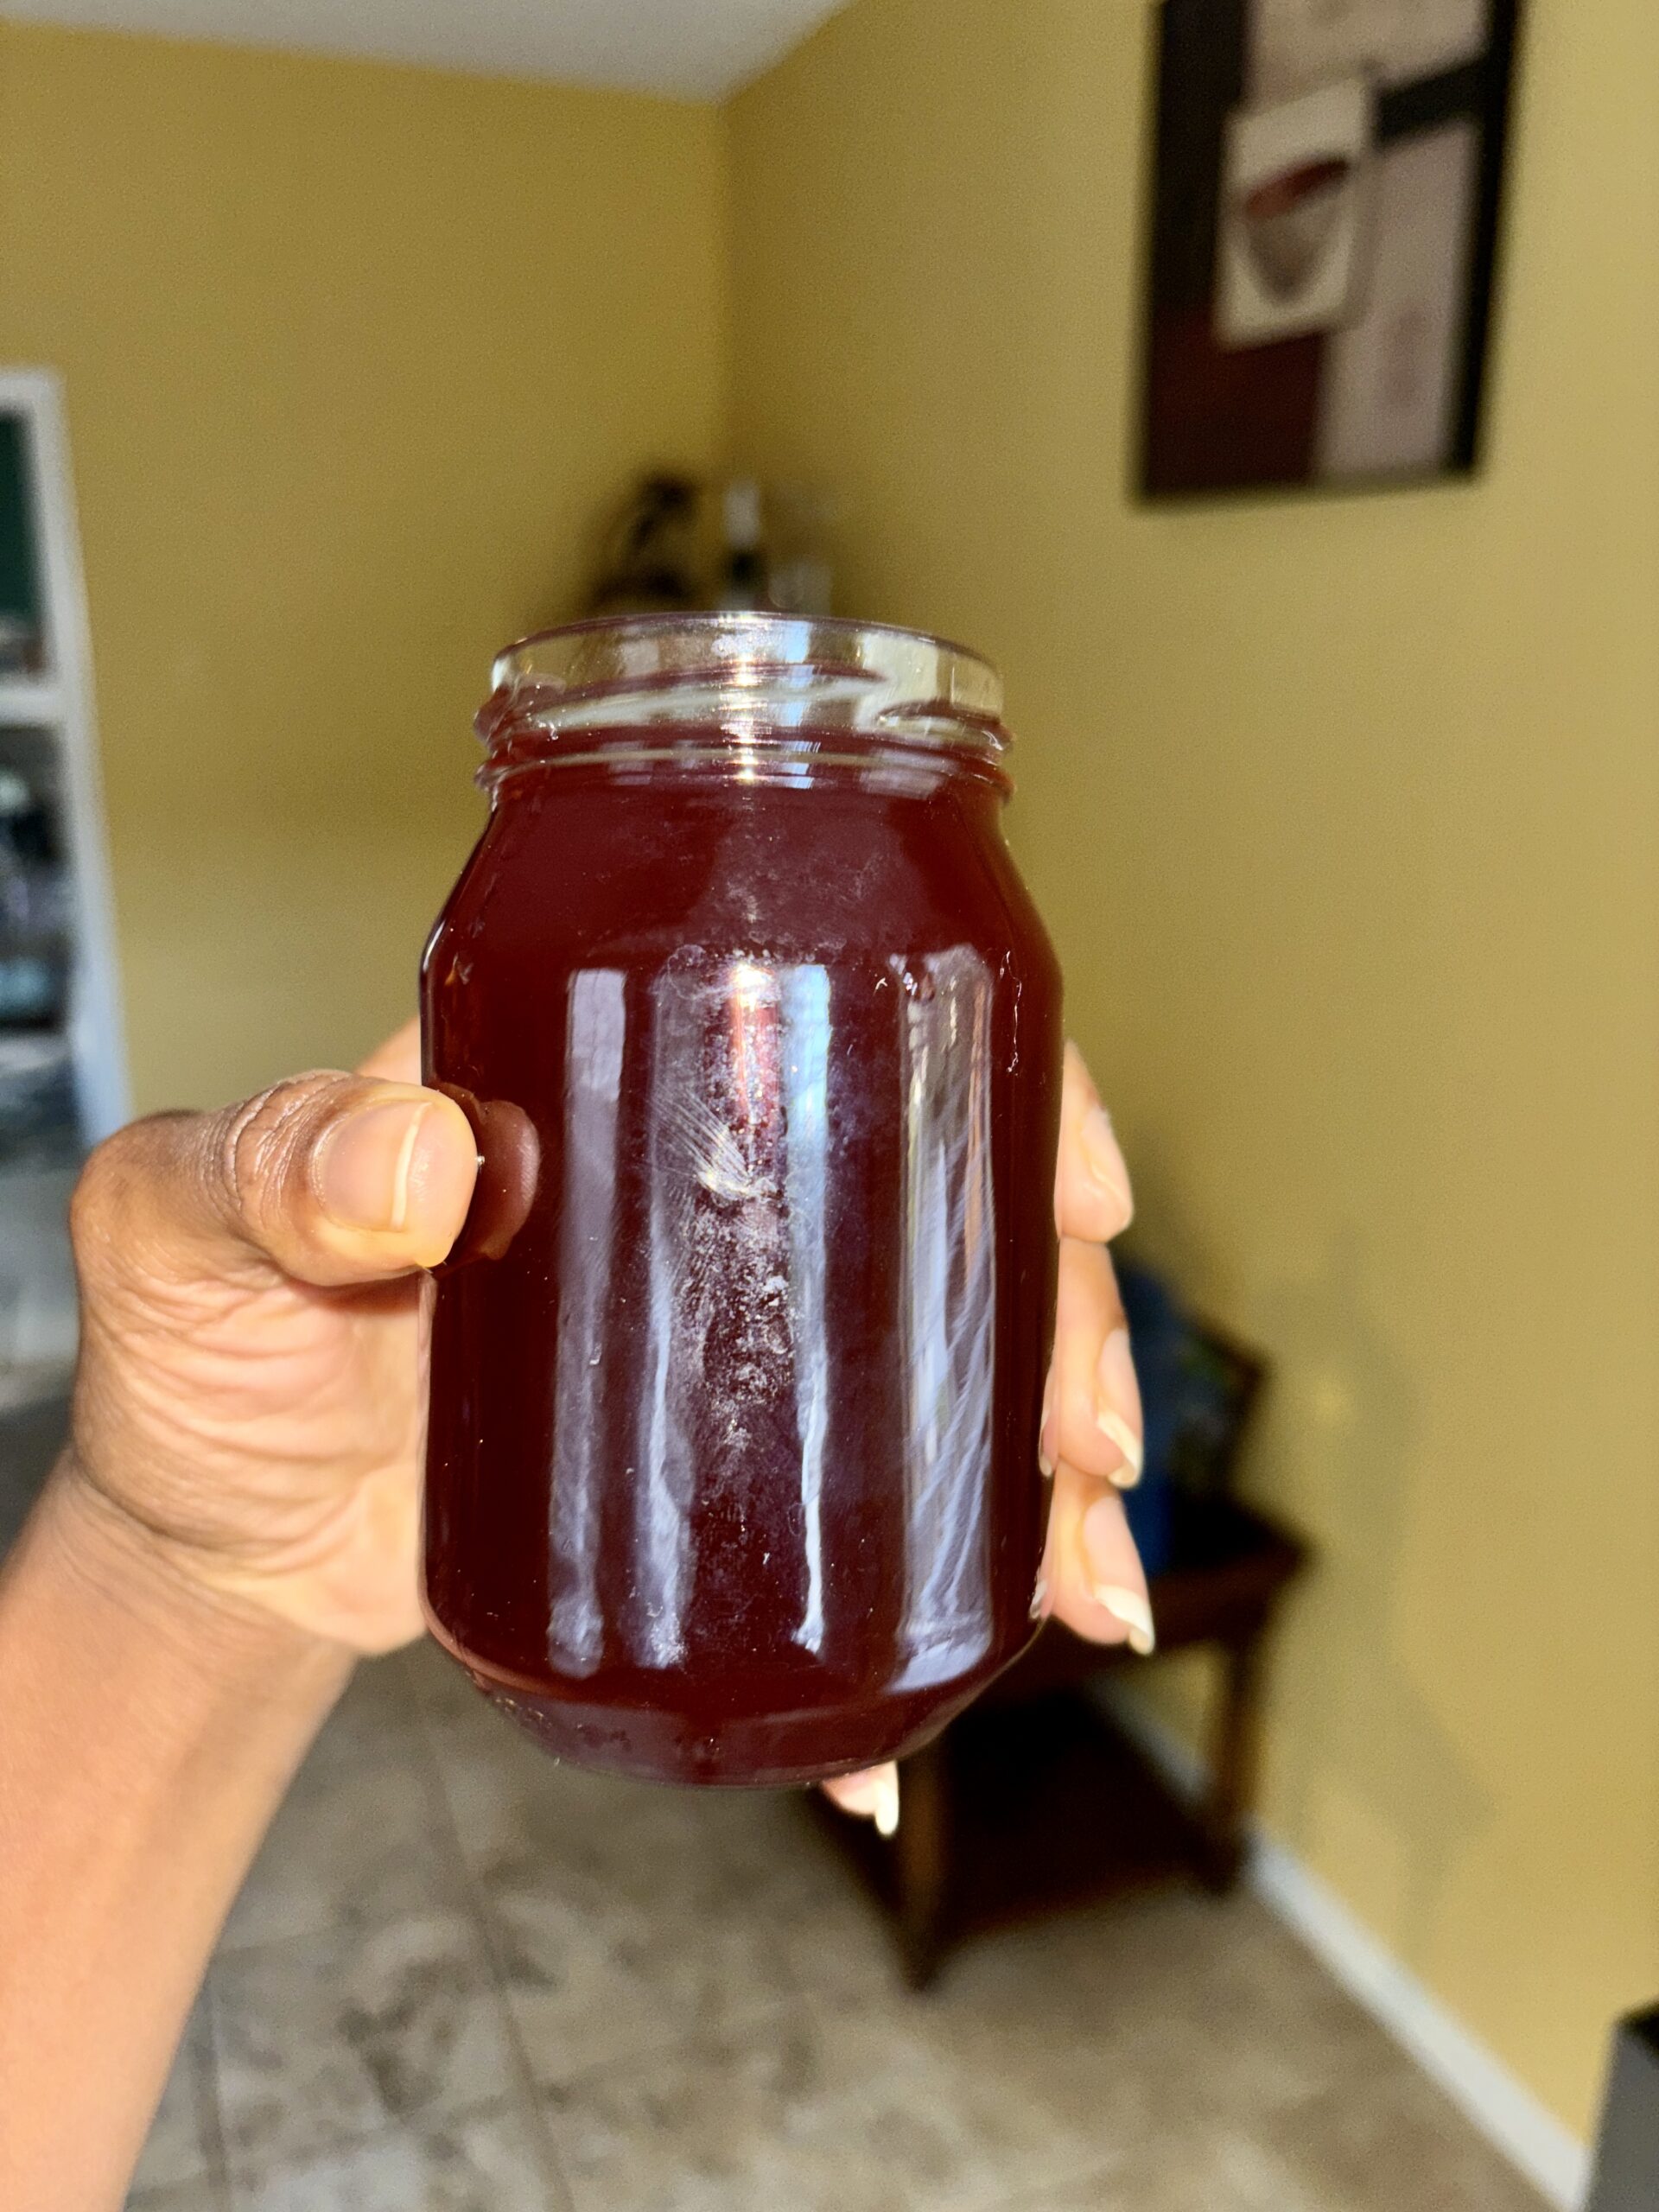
[[1217, 420]]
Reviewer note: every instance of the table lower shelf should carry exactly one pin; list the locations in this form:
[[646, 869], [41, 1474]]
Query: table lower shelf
[[1026, 1809]]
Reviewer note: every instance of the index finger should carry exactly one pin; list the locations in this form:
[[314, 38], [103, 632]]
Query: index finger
[[1092, 1199], [398, 1060]]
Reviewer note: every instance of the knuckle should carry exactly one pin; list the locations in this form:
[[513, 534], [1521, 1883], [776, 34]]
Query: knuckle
[[114, 1175], [256, 1143], [120, 1196]]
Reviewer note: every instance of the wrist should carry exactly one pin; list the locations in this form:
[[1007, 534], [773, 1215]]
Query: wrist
[[148, 1732], [138, 1579]]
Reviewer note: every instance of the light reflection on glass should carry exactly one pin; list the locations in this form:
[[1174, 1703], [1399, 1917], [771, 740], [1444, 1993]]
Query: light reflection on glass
[[736, 1413], [806, 1076], [949, 1316], [587, 1247]]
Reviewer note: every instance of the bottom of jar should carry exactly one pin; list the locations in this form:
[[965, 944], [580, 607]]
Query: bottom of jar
[[756, 1752]]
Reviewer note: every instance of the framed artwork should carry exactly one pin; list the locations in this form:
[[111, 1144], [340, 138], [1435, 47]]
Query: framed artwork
[[1325, 195]]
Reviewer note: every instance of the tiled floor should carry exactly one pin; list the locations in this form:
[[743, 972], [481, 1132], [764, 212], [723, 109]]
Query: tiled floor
[[464, 1980]]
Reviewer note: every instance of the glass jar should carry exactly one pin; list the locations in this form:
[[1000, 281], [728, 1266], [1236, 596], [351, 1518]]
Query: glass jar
[[737, 1372]]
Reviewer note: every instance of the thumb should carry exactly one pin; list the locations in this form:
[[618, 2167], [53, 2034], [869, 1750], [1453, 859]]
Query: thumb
[[331, 1179]]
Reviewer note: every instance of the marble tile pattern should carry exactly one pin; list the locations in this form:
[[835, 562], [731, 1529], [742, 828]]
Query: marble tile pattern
[[462, 1979], [190, 2196], [325, 2038], [182, 2150]]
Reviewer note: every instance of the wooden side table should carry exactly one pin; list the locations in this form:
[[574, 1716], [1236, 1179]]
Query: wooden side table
[[1626, 2179], [1035, 1799]]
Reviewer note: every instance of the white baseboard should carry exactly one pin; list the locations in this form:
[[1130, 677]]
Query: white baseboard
[[1505, 2111]]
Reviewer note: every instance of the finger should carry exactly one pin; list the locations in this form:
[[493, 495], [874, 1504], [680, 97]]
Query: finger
[[1092, 1198], [398, 1060], [329, 1179], [872, 1796], [1091, 1412], [1096, 1584]]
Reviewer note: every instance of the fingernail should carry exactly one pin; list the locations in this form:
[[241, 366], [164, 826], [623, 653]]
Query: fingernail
[[1105, 1160], [1118, 1391], [363, 1171], [886, 1800], [1128, 1444], [1045, 1464], [1102, 1547], [1040, 1598], [1132, 1609]]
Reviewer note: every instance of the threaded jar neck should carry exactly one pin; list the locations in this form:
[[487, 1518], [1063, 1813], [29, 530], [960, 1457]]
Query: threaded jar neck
[[761, 696]]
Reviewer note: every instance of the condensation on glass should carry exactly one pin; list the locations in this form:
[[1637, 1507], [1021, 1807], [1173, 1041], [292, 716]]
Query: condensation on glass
[[736, 1376]]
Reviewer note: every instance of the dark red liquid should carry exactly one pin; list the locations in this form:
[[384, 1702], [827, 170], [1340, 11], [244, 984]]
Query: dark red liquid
[[731, 1473]]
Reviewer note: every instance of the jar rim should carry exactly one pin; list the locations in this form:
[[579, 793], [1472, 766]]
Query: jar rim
[[705, 621], [750, 675]]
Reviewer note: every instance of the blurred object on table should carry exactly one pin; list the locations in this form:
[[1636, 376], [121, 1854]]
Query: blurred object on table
[[650, 564], [675, 546], [742, 582], [1198, 1389]]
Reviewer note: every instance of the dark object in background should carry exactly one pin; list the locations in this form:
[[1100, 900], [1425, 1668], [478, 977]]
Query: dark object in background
[[649, 564], [31, 1438], [34, 909], [28, 834], [1197, 1390], [39, 1112], [673, 547], [22, 638], [39, 1121], [1038, 1798], [1326, 205], [1627, 2161]]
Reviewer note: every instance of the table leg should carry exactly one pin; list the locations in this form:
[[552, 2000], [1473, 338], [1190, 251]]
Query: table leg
[[1233, 1744], [1627, 2163], [921, 1853]]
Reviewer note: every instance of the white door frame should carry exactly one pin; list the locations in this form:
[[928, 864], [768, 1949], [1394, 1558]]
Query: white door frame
[[60, 700]]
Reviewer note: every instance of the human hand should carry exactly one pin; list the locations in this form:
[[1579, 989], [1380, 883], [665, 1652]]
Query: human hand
[[1091, 1433], [246, 1402], [248, 1393]]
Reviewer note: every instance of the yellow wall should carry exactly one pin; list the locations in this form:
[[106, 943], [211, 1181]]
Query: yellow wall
[[1344, 814], [352, 355]]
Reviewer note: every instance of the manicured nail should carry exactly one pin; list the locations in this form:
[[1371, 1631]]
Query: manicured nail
[[1105, 1160], [886, 1800], [1132, 1609], [1104, 1540], [1040, 1598], [363, 1170], [1118, 1390], [1045, 1462]]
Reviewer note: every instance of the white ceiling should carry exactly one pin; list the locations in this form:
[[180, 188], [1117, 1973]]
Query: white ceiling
[[696, 48]]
